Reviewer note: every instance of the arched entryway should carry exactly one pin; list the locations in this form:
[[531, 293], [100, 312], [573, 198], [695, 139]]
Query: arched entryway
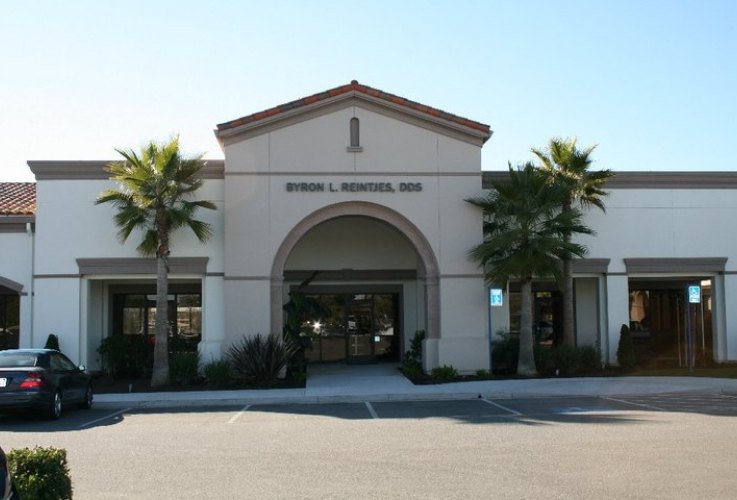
[[426, 272]]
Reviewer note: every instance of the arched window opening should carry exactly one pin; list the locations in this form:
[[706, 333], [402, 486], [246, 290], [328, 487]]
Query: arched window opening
[[354, 133], [355, 144]]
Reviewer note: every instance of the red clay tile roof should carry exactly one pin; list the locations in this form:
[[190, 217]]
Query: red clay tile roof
[[354, 86], [17, 198]]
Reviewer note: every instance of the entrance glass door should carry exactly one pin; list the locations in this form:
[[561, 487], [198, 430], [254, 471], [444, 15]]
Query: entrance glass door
[[357, 328], [359, 323]]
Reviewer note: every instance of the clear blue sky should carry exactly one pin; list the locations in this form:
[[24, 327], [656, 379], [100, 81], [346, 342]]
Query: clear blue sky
[[653, 82]]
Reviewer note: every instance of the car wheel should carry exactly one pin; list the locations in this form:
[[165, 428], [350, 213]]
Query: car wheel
[[55, 408], [86, 403]]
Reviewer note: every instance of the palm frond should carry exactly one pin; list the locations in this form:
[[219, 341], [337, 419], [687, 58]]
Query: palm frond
[[149, 244], [524, 227], [202, 230], [568, 166], [156, 185]]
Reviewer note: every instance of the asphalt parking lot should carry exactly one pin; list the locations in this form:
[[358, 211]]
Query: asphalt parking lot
[[479, 410], [671, 446]]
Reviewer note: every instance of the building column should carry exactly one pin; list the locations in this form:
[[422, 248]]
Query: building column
[[84, 319], [213, 318], [603, 314], [618, 311], [432, 308], [25, 333], [430, 354], [277, 306], [728, 339], [586, 293]]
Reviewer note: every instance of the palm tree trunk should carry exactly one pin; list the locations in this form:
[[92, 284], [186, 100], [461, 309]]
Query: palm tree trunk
[[526, 360], [569, 332], [160, 374]]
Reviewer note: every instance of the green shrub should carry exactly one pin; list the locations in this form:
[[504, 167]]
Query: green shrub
[[505, 352], [300, 377], [567, 361], [411, 369], [41, 473], [625, 349], [258, 358], [444, 373], [483, 374], [217, 373], [415, 346], [52, 342], [299, 308], [545, 361], [590, 359], [184, 367], [124, 356], [411, 364]]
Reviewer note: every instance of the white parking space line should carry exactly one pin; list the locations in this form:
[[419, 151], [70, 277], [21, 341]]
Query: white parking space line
[[371, 410], [642, 405], [107, 417], [576, 410], [501, 407], [237, 415]]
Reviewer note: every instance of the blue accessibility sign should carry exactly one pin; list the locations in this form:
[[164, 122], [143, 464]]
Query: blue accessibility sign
[[495, 297], [694, 294]]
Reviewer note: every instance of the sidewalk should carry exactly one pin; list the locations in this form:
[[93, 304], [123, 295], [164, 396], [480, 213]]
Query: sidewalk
[[383, 382]]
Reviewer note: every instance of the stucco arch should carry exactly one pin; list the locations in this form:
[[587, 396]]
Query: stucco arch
[[428, 273]]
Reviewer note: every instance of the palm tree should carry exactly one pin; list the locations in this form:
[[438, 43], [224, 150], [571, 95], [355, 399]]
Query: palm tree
[[156, 186], [568, 166], [524, 237]]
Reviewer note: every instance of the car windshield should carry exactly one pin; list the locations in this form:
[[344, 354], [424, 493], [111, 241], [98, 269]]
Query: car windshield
[[14, 359]]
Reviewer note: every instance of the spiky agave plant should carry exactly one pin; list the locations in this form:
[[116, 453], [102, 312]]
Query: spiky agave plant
[[260, 358]]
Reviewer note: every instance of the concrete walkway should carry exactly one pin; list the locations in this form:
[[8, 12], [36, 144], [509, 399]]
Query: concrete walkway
[[383, 382]]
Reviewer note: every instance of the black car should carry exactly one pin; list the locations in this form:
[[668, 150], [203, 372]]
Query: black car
[[42, 379], [7, 488]]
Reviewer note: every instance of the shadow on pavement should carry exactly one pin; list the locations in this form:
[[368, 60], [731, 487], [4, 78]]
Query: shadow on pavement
[[521, 411]]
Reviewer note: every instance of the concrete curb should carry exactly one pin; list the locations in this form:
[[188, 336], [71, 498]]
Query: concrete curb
[[390, 390]]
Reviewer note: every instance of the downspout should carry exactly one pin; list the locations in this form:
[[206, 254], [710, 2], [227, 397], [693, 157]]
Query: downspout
[[32, 296]]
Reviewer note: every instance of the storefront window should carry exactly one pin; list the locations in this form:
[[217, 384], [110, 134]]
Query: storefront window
[[9, 321], [189, 315], [134, 311], [546, 312], [135, 314], [663, 322]]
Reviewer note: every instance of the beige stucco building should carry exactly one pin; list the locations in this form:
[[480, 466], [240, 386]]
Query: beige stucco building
[[363, 190]]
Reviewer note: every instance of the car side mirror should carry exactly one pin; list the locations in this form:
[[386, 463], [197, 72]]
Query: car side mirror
[[82, 368]]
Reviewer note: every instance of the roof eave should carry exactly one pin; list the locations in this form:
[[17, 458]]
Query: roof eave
[[96, 169]]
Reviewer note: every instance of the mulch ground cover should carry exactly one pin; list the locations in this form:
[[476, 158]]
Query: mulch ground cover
[[104, 385]]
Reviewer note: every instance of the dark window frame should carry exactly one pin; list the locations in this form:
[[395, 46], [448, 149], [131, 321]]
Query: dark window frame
[[146, 294], [9, 319]]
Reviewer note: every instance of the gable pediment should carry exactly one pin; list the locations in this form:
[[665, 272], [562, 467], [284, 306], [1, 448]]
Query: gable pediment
[[358, 95]]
